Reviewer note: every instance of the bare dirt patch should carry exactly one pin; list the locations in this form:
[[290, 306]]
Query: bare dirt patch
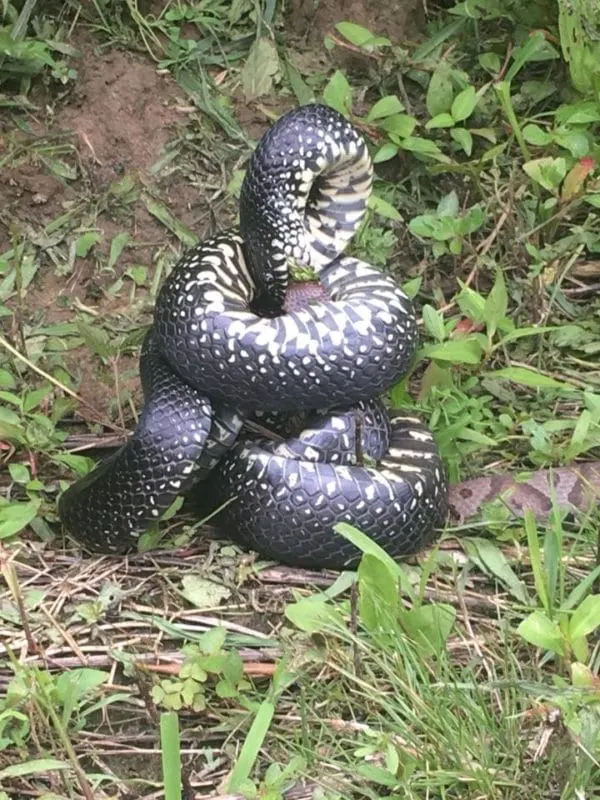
[[398, 20], [122, 111]]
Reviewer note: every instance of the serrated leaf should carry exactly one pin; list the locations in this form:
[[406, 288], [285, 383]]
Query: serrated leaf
[[260, 68]]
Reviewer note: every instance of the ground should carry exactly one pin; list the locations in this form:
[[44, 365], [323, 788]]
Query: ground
[[107, 175]]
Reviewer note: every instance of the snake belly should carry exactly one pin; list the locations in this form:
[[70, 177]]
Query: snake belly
[[222, 347]]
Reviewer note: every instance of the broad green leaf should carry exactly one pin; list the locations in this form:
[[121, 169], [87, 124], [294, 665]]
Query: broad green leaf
[[202, 592], [377, 775], [85, 242], [496, 304], [458, 351], [360, 36], [260, 68], [464, 104], [471, 303], [34, 767], [582, 676], [586, 617], [443, 120], [304, 93], [580, 113], [429, 625], [19, 473], [425, 147], [162, 213], [490, 62], [314, 615], [385, 107], [383, 208], [118, 244], [440, 90], [434, 322], [547, 172], [96, 339], [530, 51], [423, 225], [492, 560], [540, 631], [399, 126], [448, 205], [338, 93], [529, 377], [385, 152], [463, 138], [379, 599], [16, 515], [367, 545]]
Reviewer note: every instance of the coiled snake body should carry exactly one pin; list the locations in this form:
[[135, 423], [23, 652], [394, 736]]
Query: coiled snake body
[[222, 347]]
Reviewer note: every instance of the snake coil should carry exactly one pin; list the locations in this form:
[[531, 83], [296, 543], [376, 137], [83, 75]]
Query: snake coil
[[228, 341]]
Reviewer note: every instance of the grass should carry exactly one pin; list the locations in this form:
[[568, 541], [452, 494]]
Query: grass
[[195, 670]]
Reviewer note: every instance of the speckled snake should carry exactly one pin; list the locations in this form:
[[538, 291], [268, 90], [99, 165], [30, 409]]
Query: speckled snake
[[224, 346]]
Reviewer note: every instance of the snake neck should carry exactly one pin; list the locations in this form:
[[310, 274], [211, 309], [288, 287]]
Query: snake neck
[[304, 193]]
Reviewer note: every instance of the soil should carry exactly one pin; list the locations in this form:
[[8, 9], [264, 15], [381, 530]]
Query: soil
[[399, 20]]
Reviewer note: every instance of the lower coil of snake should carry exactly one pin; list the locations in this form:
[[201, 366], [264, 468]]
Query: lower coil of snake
[[223, 347]]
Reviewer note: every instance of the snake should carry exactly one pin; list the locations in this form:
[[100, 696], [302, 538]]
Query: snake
[[234, 340]]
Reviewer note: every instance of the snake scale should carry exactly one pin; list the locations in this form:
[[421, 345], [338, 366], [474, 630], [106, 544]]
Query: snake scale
[[231, 341]]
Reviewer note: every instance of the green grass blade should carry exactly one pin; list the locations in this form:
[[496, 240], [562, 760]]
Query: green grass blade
[[171, 755], [252, 745]]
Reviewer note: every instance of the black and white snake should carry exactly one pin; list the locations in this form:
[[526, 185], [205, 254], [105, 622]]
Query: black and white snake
[[222, 348]]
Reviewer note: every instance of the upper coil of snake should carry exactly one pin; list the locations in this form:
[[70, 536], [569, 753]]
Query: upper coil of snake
[[223, 346]]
